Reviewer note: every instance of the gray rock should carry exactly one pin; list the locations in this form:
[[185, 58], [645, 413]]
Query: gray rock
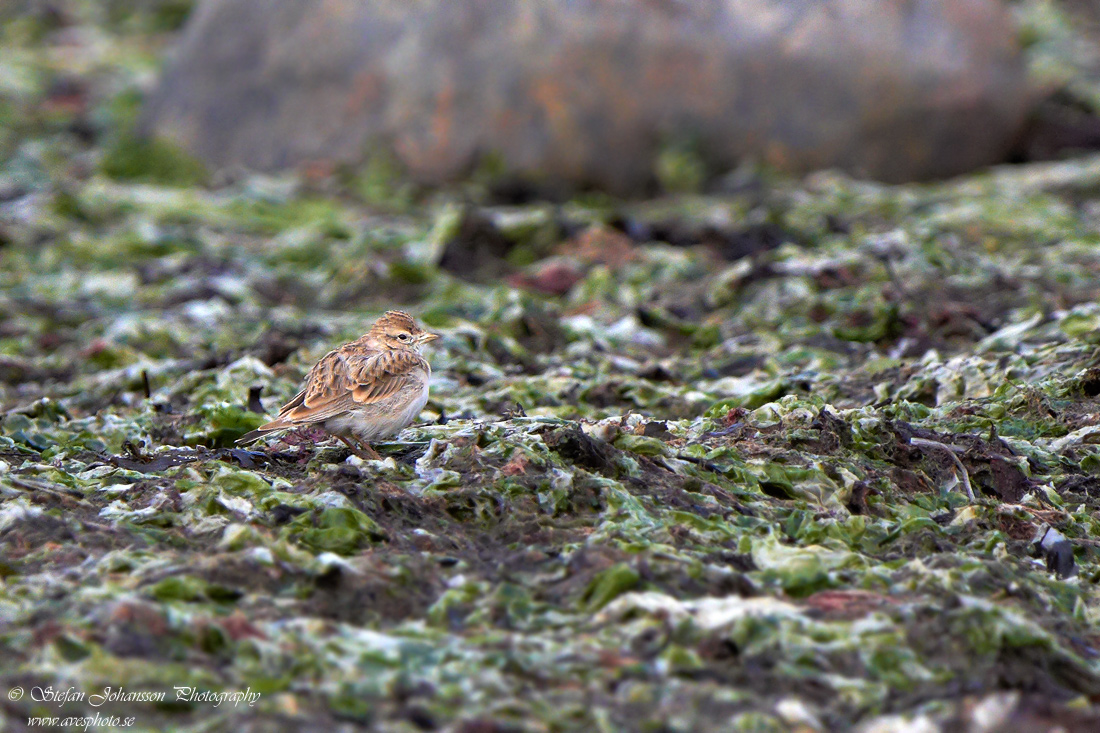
[[586, 92]]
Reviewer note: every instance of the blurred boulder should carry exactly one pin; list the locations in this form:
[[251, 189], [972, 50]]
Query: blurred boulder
[[589, 92]]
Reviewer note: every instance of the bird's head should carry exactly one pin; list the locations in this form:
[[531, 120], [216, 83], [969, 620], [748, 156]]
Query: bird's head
[[398, 330]]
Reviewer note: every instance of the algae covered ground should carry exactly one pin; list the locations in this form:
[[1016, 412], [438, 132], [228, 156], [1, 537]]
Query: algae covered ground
[[699, 462]]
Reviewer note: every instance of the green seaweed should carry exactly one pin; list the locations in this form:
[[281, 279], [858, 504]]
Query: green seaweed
[[700, 490]]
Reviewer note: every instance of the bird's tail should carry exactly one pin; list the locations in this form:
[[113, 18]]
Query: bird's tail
[[271, 427]]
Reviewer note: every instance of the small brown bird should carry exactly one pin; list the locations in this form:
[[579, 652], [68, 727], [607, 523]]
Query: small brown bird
[[365, 390]]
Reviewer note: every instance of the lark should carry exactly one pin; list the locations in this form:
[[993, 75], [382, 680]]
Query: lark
[[365, 390]]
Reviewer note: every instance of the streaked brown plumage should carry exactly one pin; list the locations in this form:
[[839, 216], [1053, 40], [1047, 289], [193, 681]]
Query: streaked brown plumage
[[365, 390]]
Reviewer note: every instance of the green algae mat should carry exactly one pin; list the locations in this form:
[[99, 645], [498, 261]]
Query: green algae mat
[[795, 455]]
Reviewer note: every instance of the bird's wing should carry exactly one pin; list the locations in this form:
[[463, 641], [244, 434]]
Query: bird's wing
[[384, 375], [341, 382]]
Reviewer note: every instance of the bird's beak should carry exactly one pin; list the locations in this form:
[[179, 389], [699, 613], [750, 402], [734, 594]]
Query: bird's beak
[[426, 337]]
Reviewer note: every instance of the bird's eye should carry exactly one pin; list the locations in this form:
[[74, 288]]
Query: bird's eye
[[403, 336]]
